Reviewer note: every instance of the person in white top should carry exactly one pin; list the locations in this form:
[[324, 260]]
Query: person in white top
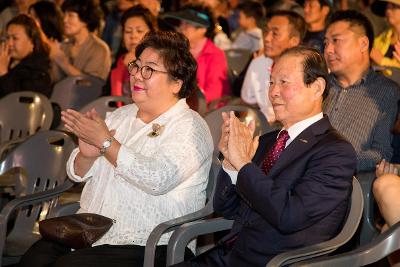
[[147, 163], [284, 29]]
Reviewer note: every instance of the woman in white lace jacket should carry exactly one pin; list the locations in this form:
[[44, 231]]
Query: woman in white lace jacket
[[145, 164]]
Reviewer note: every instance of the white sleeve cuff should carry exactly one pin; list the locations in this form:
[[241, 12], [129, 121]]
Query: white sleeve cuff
[[71, 168], [232, 174]]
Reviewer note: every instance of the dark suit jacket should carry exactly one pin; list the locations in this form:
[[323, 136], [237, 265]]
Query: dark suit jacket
[[303, 200]]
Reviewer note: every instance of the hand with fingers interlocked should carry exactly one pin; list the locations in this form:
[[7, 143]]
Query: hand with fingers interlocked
[[237, 142], [4, 58], [90, 128]]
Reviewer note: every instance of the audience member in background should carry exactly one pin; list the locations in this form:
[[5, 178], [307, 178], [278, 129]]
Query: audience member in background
[[197, 24], [155, 167], [384, 44], [291, 5], [287, 189], [386, 190], [378, 22], [222, 29], [50, 19], [112, 33], [153, 5], [136, 22], [249, 35], [83, 52], [20, 7], [362, 104], [316, 13], [284, 29], [24, 58]]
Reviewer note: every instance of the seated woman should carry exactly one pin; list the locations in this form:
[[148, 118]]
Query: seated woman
[[146, 164], [83, 51], [24, 58], [383, 50], [136, 22], [50, 19], [197, 24]]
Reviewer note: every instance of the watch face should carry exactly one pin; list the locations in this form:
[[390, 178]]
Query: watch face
[[107, 144]]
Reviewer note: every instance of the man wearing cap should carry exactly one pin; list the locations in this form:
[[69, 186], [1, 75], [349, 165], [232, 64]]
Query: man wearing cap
[[384, 49], [284, 29], [197, 24], [316, 13], [362, 104]]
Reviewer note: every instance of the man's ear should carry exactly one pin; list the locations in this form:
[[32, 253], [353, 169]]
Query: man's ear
[[318, 86], [294, 41], [325, 10], [364, 44]]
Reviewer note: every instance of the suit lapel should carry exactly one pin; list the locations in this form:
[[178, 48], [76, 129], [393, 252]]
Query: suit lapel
[[300, 145]]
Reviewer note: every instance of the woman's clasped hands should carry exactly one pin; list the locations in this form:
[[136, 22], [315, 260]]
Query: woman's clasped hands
[[90, 128]]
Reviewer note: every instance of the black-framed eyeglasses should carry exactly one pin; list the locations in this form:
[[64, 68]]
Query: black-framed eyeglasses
[[145, 71]]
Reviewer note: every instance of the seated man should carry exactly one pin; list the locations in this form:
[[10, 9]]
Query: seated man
[[284, 29], [287, 189], [361, 104]]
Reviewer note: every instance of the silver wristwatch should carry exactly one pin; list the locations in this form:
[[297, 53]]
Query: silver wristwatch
[[106, 145]]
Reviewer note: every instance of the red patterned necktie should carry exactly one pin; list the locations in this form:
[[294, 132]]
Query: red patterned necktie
[[275, 152]]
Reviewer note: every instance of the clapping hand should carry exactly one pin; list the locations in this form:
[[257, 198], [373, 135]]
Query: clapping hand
[[237, 142], [396, 52], [4, 58], [90, 128]]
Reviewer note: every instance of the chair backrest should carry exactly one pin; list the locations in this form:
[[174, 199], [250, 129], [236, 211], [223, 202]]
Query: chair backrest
[[347, 232], [23, 114], [244, 113], [237, 59], [76, 91], [106, 104], [43, 158], [382, 246]]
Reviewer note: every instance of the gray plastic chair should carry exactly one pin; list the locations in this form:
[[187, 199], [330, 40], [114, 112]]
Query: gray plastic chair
[[106, 104], [76, 91], [244, 113], [23, 114], [171, 225], [37, 167], [189, 231], [368, 231], [382, 246], [237, 59]]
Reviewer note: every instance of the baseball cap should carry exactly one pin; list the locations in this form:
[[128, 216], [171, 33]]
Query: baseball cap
[[190, 16]]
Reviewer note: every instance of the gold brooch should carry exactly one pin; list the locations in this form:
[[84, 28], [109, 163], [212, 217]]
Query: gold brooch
[[157, 130]]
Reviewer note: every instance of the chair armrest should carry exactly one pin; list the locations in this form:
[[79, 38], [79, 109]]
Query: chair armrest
[[64, 209], [168, 226], [382, 246], [188, 231], [25, 201]]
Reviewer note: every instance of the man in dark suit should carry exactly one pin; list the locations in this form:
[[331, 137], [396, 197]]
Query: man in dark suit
[[287, 189]]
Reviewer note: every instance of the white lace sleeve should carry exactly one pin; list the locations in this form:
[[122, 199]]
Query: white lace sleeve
[[185, 146], [71, 169]]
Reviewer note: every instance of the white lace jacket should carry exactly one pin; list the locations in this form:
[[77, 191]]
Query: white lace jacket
[[156, 178]]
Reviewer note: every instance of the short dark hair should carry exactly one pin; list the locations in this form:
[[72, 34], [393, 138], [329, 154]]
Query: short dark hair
[[314, 65], [252, 9], [174, 49], [354, 18], [141, 12], [50, 17], [32, 31], [88, 11], [295, 20]]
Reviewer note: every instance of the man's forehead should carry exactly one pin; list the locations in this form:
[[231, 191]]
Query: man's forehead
[[277, 22], [343, 28]]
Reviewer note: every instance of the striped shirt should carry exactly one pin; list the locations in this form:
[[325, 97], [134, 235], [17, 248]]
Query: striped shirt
[[365, 113]]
